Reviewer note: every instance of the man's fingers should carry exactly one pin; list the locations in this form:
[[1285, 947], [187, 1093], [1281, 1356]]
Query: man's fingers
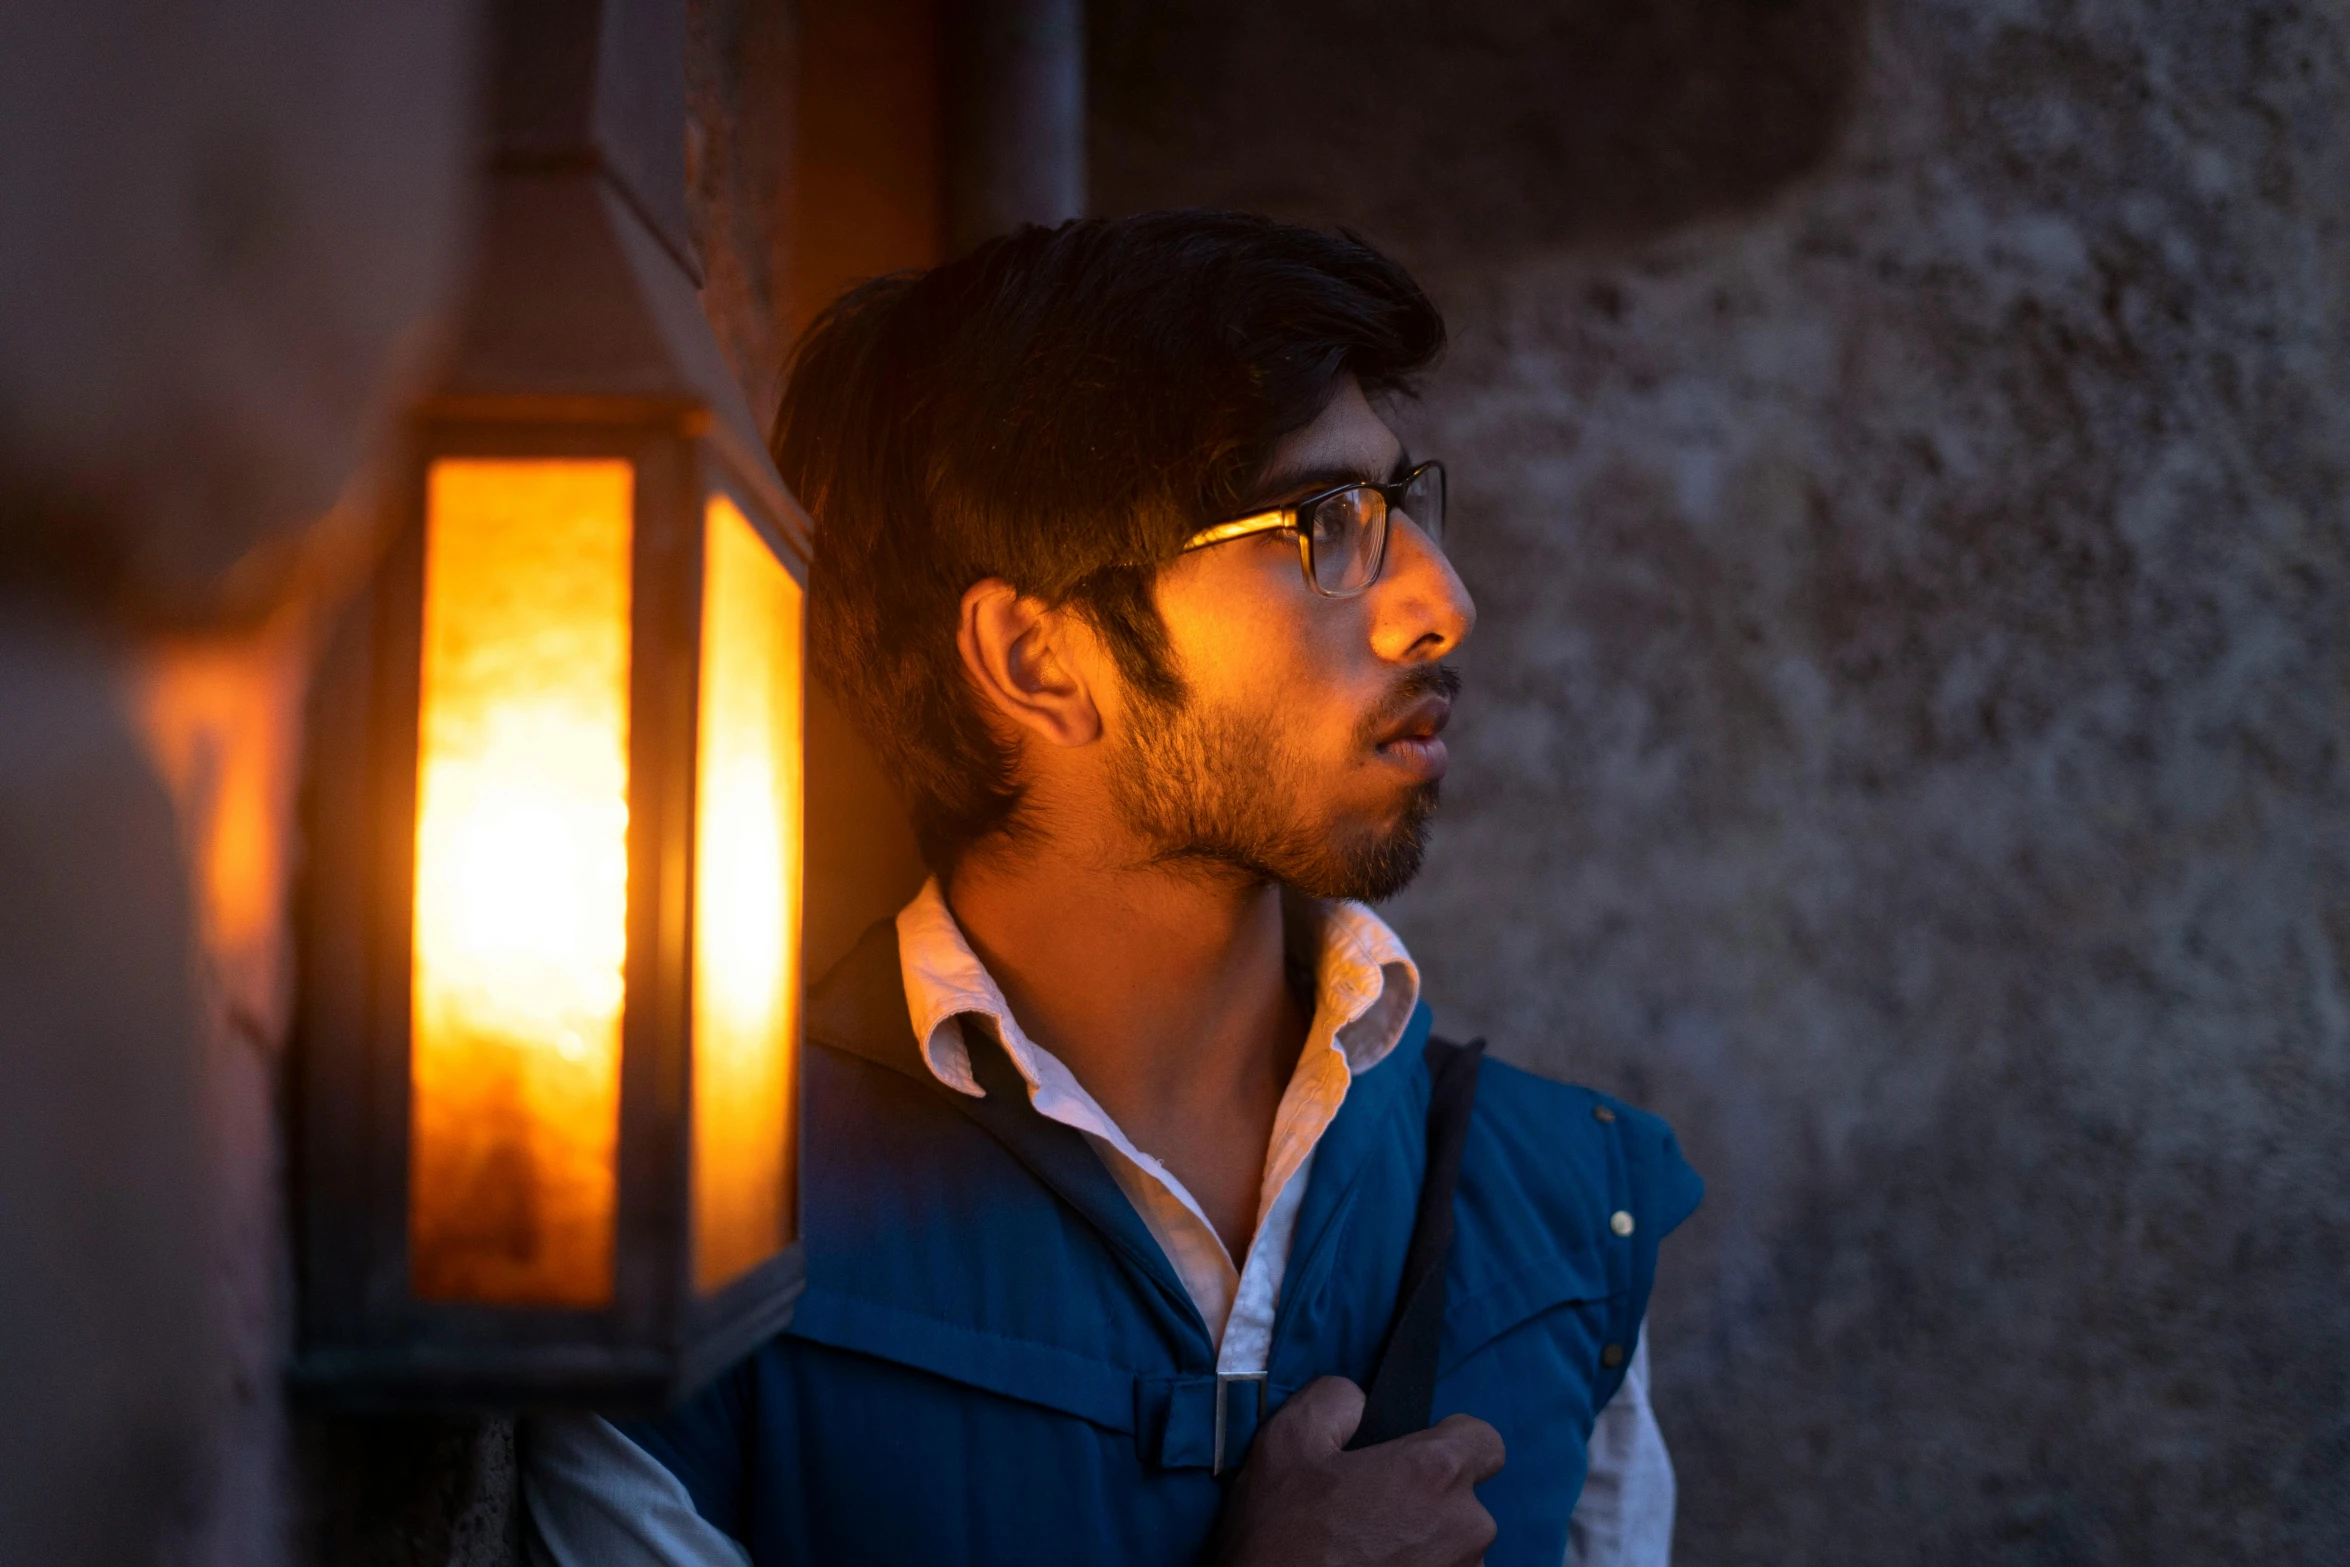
[[1471, 1443], [1321, 1417], [1301, 1498]]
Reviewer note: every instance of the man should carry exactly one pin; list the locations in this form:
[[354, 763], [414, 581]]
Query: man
[[1116, 1135]]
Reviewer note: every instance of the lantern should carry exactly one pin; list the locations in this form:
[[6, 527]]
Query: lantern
[[550, 976]]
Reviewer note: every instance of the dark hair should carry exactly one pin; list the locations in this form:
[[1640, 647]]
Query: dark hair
[[1061, 408]]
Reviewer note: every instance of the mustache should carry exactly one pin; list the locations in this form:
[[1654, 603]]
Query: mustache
[[1411, 688]]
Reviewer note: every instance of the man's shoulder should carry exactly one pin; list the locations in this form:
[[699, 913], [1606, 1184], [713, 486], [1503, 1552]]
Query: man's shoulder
[[1554, 1142], [1546, 1107]]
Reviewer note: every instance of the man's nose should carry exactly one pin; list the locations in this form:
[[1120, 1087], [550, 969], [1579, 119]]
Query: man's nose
[[1420, 610]]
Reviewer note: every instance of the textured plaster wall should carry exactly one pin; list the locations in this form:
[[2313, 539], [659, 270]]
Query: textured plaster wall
[[1904, 483]]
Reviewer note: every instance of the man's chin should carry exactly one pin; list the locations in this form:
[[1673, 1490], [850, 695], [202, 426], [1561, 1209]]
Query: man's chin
[[1375, 865]]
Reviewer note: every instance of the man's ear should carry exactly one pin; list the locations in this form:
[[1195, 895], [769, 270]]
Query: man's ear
[[1034, 664]]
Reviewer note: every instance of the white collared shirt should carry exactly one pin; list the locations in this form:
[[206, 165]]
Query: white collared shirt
[[595, 1497], [1365, 985]]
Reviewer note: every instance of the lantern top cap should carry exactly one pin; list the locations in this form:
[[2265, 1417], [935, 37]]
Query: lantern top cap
[[597, 84], [582, 301]]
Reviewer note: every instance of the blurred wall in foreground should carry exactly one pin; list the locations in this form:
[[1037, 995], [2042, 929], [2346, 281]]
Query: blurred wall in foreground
[[227, 231], [1900, 457], [231, 231]]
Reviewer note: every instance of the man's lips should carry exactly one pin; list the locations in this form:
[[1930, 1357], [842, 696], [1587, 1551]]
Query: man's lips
[[1411, 738]]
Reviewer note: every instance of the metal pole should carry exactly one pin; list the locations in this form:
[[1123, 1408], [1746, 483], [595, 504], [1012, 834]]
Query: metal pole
[[1015, 116]]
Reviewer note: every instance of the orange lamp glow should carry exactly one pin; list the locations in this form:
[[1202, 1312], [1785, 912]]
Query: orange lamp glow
[[545, 1119], [521, 880], [747, 826]]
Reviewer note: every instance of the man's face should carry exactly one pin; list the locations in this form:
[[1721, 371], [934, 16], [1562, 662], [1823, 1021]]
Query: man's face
[[1305, 749]]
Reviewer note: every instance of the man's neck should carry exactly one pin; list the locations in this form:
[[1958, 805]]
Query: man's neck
[[1163, 990]]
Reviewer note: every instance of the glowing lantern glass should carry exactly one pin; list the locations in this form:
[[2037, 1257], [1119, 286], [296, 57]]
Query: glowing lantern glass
[[521, 929], [550, 978]]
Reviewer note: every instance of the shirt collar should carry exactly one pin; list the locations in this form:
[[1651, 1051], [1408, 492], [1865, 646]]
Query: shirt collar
[[1365, 988]]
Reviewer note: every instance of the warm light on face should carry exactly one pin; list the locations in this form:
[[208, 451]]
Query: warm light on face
[[746, 901], [521, 880]]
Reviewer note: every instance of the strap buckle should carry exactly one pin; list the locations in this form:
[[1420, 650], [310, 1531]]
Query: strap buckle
[[1255, 1416]]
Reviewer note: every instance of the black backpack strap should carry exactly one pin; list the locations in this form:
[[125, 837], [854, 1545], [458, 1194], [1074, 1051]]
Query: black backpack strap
[[1403, 1385]]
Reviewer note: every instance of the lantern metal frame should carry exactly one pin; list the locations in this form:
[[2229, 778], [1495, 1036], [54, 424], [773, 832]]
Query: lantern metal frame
[[583, 339]]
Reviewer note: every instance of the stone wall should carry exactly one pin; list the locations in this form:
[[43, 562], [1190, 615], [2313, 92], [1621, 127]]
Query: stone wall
[[1900, 458]]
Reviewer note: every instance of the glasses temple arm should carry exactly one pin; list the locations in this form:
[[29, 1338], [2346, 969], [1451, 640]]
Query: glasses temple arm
[[1241, 527]]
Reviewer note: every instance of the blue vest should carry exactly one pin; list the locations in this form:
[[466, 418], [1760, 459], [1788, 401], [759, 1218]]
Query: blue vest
[[995, 1363]]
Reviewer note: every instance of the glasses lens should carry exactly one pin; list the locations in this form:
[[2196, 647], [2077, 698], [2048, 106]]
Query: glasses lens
[[1349, 533], [1423, 502]]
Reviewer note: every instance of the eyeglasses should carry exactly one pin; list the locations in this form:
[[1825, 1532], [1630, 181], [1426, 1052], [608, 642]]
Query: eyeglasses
[[1342, 531]]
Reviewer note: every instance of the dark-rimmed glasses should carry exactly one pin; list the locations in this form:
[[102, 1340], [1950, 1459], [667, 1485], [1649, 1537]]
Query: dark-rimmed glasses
[[1342, 531]]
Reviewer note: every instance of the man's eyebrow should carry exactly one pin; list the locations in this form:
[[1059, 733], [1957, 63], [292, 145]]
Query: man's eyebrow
[[1281, 489]]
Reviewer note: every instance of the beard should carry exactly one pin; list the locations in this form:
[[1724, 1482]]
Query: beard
[[1229, 795]]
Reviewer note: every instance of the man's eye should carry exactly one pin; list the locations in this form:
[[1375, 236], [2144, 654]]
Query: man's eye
[[1339, 516]]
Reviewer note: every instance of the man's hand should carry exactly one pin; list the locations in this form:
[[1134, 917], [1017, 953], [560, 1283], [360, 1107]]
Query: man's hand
[[1302, 1500]]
